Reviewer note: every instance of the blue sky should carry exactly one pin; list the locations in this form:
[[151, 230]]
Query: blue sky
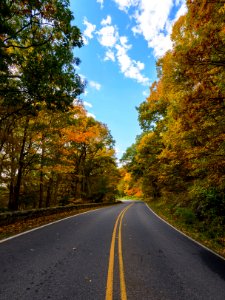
[[123, 40]]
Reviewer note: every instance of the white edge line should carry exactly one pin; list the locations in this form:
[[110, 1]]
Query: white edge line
[[203, 246], [45, 225]]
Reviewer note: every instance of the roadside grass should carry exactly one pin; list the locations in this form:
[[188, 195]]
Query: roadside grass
[[28, 224], [129, 198], [185, 220]]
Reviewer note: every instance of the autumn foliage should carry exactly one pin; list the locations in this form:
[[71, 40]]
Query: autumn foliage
[[180, 155], [51, 152]]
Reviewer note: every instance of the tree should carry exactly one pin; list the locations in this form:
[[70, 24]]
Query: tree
[[182, 145], [94, 159], [36, 45], [37, 68]]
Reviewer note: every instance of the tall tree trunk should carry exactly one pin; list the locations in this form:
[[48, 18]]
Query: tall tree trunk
[[12, 179], [41, 195], [156, 191], [11, 196], [14, 201], [49, 193], [41, 188], [56, 189]]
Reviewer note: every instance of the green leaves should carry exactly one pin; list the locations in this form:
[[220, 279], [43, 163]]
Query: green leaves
[[37, 40], [181, 150], [49, 147]]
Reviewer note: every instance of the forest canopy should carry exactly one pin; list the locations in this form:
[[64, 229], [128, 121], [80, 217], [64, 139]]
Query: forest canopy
[[51, 152], [180, 154]]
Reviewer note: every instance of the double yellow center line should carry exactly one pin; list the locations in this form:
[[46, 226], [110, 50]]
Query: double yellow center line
[[109, 287]]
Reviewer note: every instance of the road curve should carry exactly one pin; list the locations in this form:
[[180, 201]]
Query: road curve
[[120, 250]]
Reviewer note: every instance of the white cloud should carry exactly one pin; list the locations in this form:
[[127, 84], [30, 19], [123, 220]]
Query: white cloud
[[108, 36], [140, 65], [109, 55], [130, 68], [117, 48], [126, 4], [182, 11], [106, 21], [152, 18], [101, 2], [160, 43], [91, 115], [88, 32], [123, 58], [134, 72], [95, 85], [124, 41], [87, 104]]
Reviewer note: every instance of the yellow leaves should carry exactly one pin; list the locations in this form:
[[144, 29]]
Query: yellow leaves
[[222, 10], [59, 169], [127, 177], [128, 186], [155, 93], [77, 111], [178, 30], [222, 33], [105, 152], [61, 142], [183, 117], [145, 141], [10, 50]]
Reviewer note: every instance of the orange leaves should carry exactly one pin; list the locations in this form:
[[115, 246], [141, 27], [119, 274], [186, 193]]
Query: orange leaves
[[128, 186], [79, 134], [73, 136], [183, 118], [80, 129]]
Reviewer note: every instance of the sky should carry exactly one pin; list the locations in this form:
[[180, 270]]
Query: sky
[[123, 39]]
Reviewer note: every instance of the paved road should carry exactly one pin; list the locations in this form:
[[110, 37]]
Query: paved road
[[121, 250]]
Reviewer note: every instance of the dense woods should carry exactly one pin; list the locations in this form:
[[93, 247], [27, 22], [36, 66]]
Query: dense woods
[[180, 155], [51, 152]]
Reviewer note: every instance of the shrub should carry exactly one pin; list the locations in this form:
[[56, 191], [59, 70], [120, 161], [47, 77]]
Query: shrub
[[209, 203], [186, 215]]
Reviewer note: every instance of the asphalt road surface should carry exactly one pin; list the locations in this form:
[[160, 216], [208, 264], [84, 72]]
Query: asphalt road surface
[[119, 252]]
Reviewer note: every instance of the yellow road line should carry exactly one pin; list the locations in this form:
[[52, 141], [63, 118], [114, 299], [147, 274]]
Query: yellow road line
[[120, 253], [109, 286]]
